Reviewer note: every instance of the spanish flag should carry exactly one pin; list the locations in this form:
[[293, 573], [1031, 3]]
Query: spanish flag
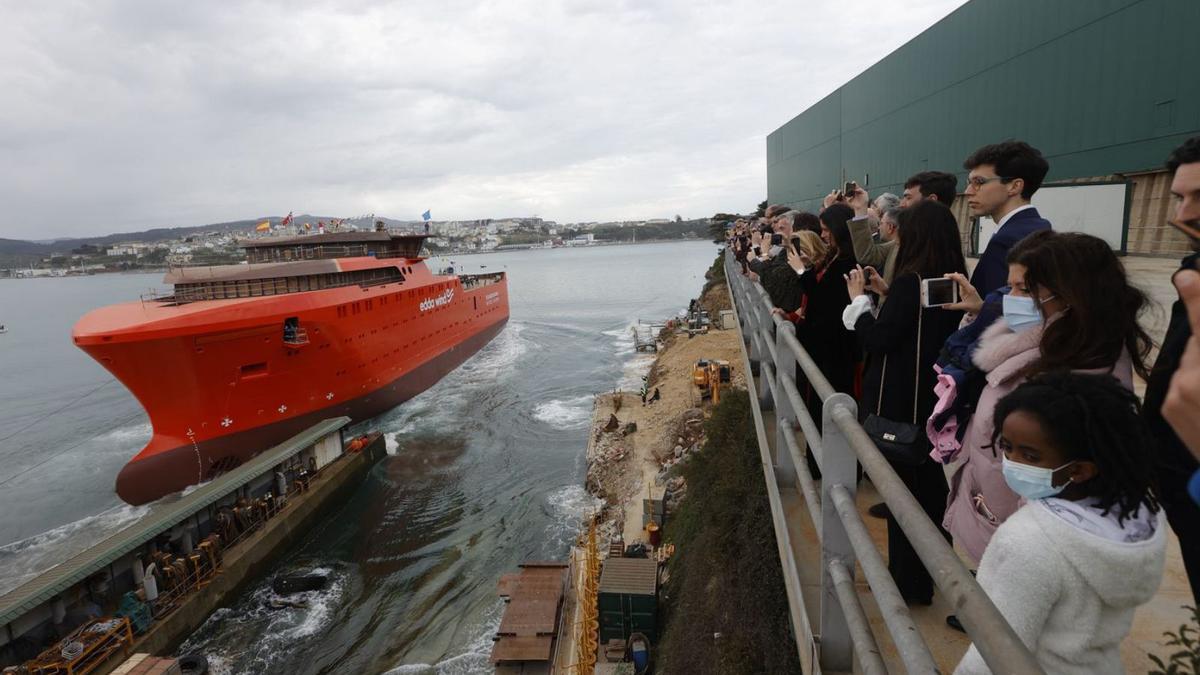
[[263, 226]]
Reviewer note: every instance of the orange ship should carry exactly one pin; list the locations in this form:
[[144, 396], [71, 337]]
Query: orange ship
[[241, 357]]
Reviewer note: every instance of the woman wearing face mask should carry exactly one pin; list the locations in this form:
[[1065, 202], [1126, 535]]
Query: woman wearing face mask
[[1069, 568], [1072, 308]]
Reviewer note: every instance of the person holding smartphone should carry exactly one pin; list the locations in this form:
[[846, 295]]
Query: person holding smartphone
[[1071, 307], [900, 346], [879, 254]]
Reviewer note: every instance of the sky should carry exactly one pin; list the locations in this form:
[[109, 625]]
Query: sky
[[122, 116]]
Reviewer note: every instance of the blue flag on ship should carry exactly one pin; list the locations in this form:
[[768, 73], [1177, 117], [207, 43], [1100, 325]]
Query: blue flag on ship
[[425, 216]]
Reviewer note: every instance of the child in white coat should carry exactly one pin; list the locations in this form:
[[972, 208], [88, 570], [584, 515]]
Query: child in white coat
[[1068, 569]]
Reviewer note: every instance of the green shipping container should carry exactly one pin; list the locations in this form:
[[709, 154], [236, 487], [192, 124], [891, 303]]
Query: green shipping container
[[628, 598]]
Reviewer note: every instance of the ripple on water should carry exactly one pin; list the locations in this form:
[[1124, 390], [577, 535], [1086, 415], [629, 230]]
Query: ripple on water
[[475, 658]]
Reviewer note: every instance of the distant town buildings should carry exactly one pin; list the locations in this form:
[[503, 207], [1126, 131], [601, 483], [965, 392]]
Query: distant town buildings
[[220, 247]]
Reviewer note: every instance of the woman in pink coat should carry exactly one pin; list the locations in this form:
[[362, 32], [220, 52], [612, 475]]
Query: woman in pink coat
[[1071, 307]]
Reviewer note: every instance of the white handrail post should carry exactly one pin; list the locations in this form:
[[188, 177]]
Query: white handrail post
[[838, 467], [785, 417]]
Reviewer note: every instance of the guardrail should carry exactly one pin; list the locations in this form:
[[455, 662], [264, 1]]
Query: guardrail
[[844, 633]]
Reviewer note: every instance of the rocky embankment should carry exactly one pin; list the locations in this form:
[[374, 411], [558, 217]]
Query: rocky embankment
[[633, 447]]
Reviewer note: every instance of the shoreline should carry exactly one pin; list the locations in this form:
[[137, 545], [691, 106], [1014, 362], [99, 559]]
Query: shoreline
[[630, 460]]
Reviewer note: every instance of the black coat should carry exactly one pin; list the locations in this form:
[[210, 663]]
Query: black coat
[[780, 282], [894, 334], [822, 333], [1175, 464]]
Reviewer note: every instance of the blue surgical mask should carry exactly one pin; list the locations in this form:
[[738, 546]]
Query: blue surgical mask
[[1020, 312], [1032, 482]]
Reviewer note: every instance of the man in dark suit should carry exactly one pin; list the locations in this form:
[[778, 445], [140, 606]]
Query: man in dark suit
[[1002, 180]]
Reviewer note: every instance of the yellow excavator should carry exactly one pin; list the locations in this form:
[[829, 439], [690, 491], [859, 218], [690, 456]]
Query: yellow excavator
[[708, 375]]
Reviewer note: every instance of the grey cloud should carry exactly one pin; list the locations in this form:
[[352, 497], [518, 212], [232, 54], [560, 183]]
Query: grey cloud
[[122, 115]]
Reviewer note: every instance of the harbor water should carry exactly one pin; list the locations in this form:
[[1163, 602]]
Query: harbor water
[[484, 469]]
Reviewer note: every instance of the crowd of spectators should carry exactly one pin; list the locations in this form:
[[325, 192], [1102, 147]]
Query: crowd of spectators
[[1007, 409]]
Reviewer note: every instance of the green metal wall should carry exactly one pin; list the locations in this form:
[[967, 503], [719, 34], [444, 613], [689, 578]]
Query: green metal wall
[[1099, 86]]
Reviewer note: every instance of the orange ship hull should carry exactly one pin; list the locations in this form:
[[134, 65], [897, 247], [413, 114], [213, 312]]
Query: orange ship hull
[[221, 384]]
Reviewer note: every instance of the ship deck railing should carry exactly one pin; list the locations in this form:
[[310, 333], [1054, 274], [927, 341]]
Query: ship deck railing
[[472, 281], [817, 523]]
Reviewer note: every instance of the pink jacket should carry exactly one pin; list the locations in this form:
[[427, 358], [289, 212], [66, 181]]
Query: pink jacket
[[979, 498]]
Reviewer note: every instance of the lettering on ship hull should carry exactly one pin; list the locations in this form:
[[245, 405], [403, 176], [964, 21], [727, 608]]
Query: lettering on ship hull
[[439, 301]]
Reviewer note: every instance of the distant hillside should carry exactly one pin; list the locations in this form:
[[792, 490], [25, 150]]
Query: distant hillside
[[19, 252]]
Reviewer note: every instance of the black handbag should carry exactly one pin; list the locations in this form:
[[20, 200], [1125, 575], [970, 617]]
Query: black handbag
[[900, 442]]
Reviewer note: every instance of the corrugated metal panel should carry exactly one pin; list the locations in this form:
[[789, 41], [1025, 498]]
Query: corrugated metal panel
[[1149, 232], [162, 517], [635, 576], [1100, 86]]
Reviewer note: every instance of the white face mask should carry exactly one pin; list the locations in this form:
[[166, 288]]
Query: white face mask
[[1032, 482]]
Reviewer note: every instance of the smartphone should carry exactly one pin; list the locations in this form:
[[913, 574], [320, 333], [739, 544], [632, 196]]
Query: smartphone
[[938, 292], [777, 239], [851, 188]]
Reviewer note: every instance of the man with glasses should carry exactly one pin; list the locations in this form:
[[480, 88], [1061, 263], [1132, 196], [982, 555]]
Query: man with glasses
[[1002, 180]]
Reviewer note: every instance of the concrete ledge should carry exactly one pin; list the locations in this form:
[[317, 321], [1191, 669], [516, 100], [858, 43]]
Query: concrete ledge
[[247, 561]]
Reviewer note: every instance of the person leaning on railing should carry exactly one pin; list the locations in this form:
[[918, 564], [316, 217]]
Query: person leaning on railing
[[805, 250], [1071, 307], [1069, 568], [824, 337], [901, 345]]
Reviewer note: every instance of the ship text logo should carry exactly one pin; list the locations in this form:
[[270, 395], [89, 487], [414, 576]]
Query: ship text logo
[[439, 301]]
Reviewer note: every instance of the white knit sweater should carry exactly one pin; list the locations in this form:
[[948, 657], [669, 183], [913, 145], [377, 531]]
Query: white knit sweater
[[1069, 594]]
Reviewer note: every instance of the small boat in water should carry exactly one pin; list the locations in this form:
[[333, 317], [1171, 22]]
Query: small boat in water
[[3, 330]]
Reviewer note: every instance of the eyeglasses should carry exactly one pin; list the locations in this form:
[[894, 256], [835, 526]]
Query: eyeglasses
[[980, 181]]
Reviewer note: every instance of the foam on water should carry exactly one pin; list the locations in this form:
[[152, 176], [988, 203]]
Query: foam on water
[[22, 560], [633, 370], [572, 413], [442, 404], [474, 659], [622, 343], [567, 507], [128, 436], [274, 629], [496, 358]]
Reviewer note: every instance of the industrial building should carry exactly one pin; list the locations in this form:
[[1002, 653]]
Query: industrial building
[[1104, 88]]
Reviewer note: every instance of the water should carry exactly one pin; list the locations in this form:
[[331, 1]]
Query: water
[[483, 472]]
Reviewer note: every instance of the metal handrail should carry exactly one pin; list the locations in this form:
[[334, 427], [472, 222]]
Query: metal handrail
[[773, 352]]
